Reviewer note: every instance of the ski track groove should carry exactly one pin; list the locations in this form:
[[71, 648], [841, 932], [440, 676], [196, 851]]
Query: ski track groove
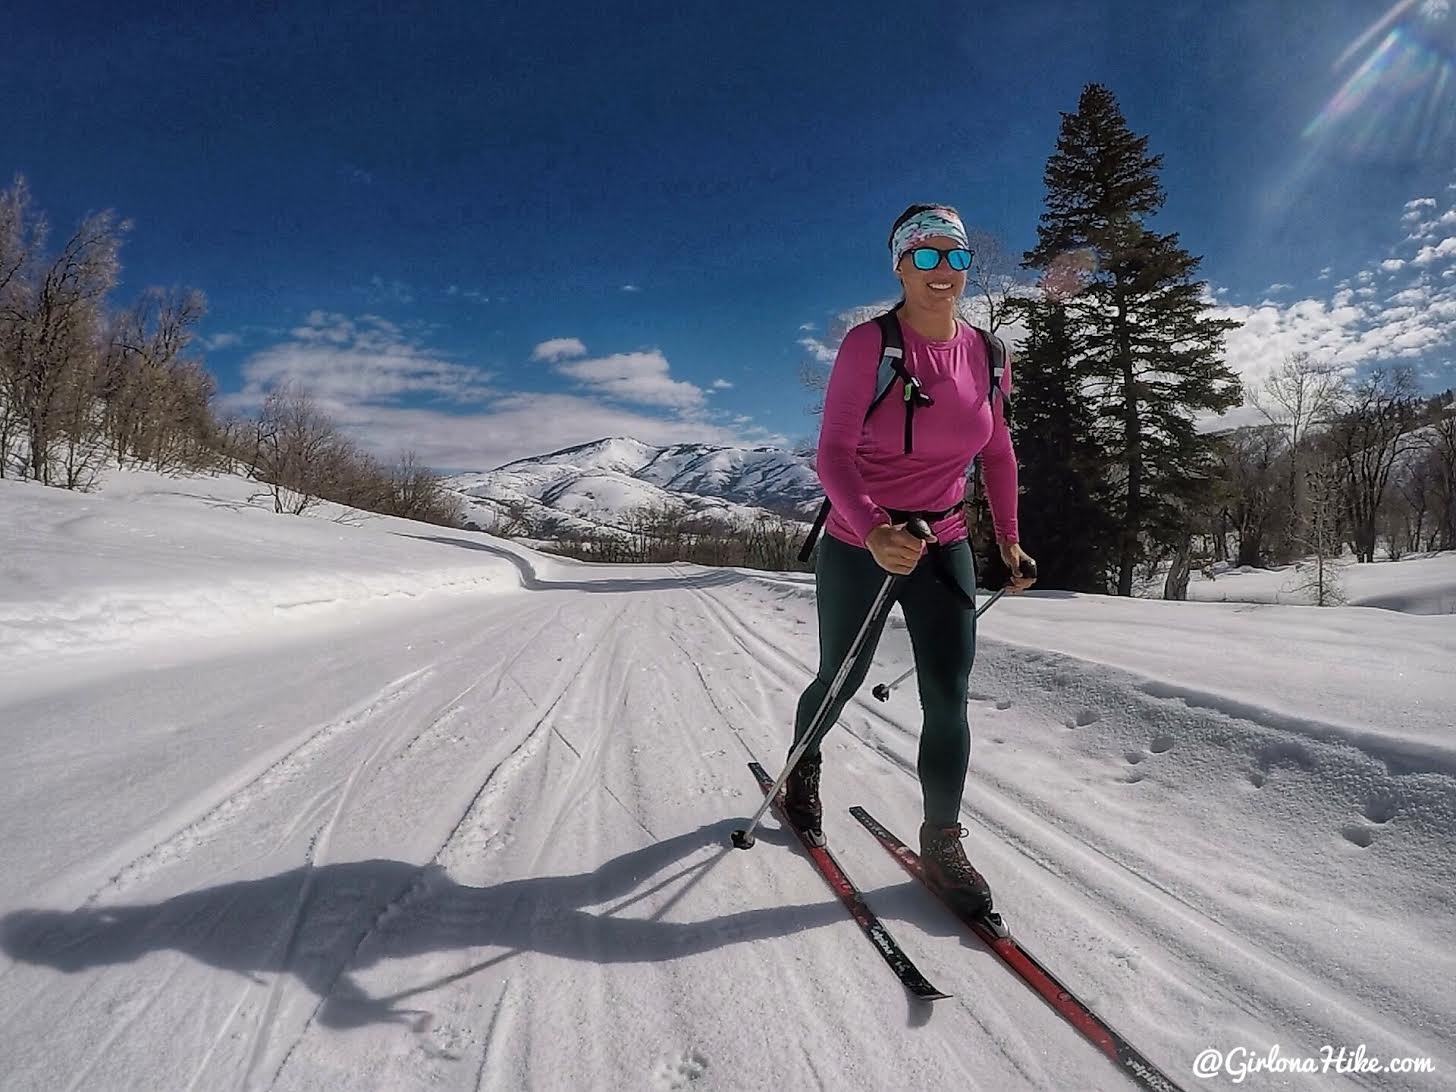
[[198, 831], [491, 1031], [764, 714], [114, 1032], [317, 853], [195, 833], [217, 1039], [489, 787]]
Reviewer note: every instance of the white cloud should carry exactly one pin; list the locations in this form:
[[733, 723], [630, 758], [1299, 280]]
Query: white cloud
[[1446, 248], [361, 372], [631, 288], [391, 291], [1416, 295], [805, 327], [721, 385], [558, 348], [635, 377], [818, 350], [1276, 288], [1406, 314], [221, 341], [347, 363]]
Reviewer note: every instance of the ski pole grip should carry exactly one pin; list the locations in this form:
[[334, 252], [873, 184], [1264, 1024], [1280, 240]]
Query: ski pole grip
[[1028, 568], [919, 528]]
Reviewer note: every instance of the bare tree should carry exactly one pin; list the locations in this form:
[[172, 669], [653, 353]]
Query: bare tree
[[1371, 432], [156, 401], [992, 278], [1440, 440], [1252, 465], [298, 451], [1412, 502], [22, 234], [1299, 396], [1322, 532], [52, 318]]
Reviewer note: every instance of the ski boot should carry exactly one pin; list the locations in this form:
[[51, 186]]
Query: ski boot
[[801, 798], [950, 874]]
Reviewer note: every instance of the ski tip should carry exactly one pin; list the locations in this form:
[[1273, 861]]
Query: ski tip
[[935, 996]]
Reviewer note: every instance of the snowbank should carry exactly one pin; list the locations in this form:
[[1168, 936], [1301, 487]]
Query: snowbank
[[150, 557]]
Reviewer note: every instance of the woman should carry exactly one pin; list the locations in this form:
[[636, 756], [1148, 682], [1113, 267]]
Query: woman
[[868, 475]]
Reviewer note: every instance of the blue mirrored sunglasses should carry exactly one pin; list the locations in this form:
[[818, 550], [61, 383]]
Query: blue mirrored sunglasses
[[928, 257]]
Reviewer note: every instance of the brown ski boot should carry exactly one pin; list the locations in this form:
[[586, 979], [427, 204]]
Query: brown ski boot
[[949, 873]]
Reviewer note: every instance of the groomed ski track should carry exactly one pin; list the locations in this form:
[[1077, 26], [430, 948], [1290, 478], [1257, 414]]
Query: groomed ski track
[[484, 846]]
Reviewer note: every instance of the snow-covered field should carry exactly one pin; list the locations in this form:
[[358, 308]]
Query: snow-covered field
[[298, 804]]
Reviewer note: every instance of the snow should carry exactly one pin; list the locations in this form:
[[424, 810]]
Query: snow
[[1418, 584], [326, 802]]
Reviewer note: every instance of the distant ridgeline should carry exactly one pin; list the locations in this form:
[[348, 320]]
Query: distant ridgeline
[[621, 499]]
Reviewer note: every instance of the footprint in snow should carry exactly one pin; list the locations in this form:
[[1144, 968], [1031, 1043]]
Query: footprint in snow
[[1380, 809], [1258, 778], [1004, 704], [1160, 744], [680, 1072], [1127, 956], [1134, 757], [1132, 777], [443, 1041], [1360, 836], [1083, 718]]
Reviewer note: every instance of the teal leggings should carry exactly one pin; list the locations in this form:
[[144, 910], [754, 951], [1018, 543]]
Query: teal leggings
[[943, 635]]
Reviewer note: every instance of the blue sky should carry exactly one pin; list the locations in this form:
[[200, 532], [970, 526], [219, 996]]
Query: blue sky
[[484, 231]]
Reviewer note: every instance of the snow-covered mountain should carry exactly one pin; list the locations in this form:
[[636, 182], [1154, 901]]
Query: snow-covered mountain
[[595, 486]]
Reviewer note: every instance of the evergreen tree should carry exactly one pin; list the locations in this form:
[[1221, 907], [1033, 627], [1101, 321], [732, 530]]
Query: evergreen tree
[[1147, 350], [1061, 467]]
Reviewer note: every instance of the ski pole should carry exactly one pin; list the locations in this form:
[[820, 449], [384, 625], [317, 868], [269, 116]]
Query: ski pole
[[743, 839], [883, 691]]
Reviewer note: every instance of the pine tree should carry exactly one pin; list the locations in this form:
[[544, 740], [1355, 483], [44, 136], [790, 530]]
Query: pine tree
[[1061, 467], [1148, 351]]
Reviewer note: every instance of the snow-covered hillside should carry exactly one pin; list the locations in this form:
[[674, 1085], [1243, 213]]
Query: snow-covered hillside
[[297, 804], [593, 487]]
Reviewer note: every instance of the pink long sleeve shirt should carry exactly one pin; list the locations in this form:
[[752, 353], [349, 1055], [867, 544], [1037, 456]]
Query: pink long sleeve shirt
[[862, 464]]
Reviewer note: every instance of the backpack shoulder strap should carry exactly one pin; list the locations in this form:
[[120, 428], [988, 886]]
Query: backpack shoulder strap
[[996, 363], [892, 357]]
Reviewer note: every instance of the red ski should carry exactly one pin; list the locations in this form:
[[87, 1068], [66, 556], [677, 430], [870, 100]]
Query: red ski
[[993, 932]]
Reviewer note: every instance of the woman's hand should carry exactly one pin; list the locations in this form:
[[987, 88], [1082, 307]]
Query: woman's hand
[[896, 549], [1013, 555]]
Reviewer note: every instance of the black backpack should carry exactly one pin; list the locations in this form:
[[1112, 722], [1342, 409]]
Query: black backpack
[[892, 367]]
